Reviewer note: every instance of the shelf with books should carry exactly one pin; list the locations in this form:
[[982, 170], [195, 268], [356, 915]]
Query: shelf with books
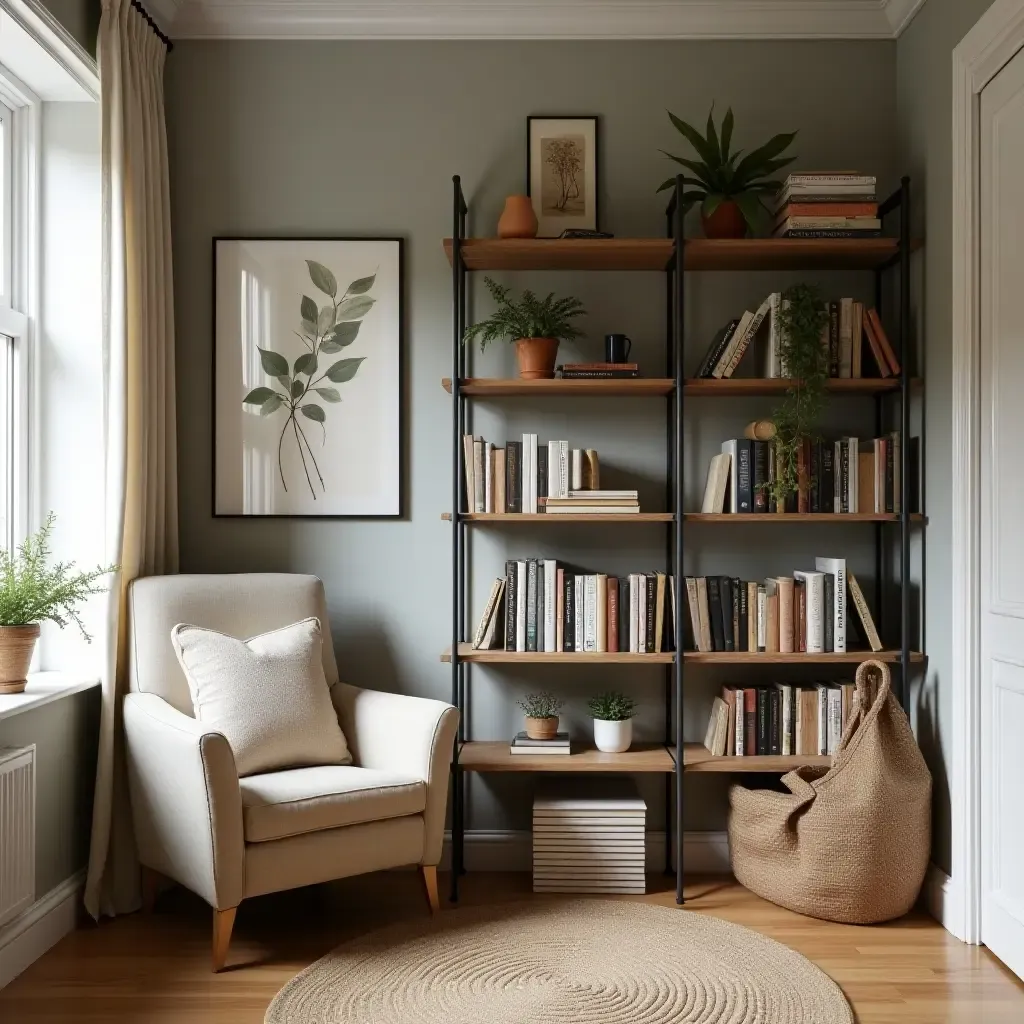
[[521, 518], [498, 656], [494, 756], [697, 758], [798, 518], [854, 657], [516, 387]]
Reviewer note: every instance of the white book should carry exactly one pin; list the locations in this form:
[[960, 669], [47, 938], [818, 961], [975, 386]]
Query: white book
[[740, 725], [738, 335], [762, 618], [837, 567], [550, 605], [488, 474], [564, 473], [578, 606], [814, 616], [786, 709], [553, 469], [533, 473], [739, 348], [835, 718], [590, 612], [717, 484], [641, 613], [521, 606], [773, 340], [576, 470], [822, 738], [528, 474], [731, 501], [479, 476], [634, 606]]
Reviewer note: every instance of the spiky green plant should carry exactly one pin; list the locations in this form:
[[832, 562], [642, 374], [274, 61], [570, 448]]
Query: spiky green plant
[[720, 173], [541, 705], [530, 317], [612, 707], [33, 591]]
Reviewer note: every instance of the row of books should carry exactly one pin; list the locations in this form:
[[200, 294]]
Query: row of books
[[784, 718], [807, 612], [846, 476], [840, 205], [542, 605], [598, 371], [849, 323]]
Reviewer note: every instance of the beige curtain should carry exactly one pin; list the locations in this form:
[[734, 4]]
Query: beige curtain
[[138, 336]]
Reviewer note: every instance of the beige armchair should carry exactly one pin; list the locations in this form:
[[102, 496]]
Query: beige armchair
[[228, 838]]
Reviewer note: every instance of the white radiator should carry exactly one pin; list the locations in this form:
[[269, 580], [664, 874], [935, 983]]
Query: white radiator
[[17, 830]]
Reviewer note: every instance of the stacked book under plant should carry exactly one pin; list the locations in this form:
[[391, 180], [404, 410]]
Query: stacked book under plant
[[837, 205]]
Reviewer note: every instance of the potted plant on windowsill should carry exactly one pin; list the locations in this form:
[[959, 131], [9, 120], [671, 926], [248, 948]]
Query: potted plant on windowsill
[[541, 710], [32, 591], [729, 189], [535, 325], [613, 721]]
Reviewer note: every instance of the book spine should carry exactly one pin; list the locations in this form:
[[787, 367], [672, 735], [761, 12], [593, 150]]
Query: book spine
[[744, 476], [590, 613], [513, 476], [550, 611], [763, 743], [822, 738], [601, 613], [844, 477], [762, 453], [828, 610], [826, 467], [552, 474], [749, 722], [510, 605], [815, 613], [613, 615], [531, 605], [846, 337], [479, 477], [578, 602], [762, 618], [521, 590], [717, 348], [774, 722], [650, 612], [559, 608], [624, 614], [835, 718], [786, 632], [800, 616], [725, 592], [568, 612], [786, 712], [542, 471], [744, 616], [832, 233], [576, 469], [715, 613], [634, 614], [563, 469], [890, 476], [740, 727]]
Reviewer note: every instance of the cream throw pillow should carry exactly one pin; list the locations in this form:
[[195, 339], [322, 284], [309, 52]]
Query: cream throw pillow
[[268, 695]]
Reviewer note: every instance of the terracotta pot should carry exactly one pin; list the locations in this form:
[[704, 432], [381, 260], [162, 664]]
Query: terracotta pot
[[536, 357], [541, 728], [517, 219], [17, 644], [726, 222]]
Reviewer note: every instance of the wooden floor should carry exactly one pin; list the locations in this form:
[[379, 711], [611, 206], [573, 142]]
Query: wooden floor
[[156, 969]]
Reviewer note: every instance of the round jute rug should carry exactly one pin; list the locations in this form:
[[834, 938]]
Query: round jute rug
[[580, 961]]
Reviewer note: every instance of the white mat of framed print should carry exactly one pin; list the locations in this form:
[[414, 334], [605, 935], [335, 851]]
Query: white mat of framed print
[[561, 158], [307, 377]]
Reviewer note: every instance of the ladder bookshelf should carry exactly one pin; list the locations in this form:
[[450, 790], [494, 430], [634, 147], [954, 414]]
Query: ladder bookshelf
[[671, 256]]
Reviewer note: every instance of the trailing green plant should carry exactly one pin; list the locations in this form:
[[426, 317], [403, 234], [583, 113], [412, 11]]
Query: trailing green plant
[[612, 707], [803, 317], [530, 317], [541, 705], [720, 173], [32, 590]]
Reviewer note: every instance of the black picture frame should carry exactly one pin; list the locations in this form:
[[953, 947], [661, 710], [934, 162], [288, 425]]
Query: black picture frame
[[596, 120]]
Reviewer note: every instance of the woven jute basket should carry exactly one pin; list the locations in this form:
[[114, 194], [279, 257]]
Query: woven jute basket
[[849, 843], [16, 646]]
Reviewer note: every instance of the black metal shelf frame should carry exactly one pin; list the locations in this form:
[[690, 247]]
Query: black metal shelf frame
[[675, 307]]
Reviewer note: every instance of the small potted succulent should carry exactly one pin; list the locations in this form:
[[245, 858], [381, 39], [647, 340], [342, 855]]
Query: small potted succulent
[[613, 721], [535, 325], [541, 710], [729, 186], [32, 591]]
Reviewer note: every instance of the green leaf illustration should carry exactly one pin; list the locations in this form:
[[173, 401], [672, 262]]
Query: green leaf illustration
[[343, 335], [344, 370], [308, 309], [309, 326], [314, 412], [326, 320], [272, 404], [306, 363], [258, 396], [273, 364], [285, 381], [363, 285], [354, 308], [297, 388], [328, 394], [322, 278]]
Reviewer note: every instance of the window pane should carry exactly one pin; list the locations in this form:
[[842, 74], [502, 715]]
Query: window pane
[[6, 440]]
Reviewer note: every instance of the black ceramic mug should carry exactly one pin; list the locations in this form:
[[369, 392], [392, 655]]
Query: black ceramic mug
[[616, 348]]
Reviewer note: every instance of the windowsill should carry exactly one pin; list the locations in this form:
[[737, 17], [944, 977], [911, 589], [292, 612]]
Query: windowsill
[[43, 688]]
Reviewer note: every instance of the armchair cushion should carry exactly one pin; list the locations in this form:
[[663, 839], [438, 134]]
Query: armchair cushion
[[289, 803], [268, 695]]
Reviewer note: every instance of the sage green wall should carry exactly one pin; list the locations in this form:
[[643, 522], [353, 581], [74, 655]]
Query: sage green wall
[[924, 73], [65, 732], [80, 17], [334, 138]]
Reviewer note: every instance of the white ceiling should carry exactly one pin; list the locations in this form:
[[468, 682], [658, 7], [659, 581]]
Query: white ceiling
[[534, 19]]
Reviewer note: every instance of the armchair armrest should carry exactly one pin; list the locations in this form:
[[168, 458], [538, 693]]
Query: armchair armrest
[[411, 735], [186, 801]]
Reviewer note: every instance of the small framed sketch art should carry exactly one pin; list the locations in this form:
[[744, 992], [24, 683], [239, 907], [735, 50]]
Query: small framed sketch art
[[562, 173], [307, 376]]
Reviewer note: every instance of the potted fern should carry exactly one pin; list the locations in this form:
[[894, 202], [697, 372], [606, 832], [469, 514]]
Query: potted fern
[[535, 325], [33, 591], [613, 721], [728, 185]]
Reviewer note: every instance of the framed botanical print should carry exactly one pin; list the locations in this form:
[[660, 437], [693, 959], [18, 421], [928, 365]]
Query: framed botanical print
[[562, 173], [307, 376]]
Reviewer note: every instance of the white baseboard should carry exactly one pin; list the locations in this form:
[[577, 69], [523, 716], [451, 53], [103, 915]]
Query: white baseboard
[[940, 897], [704, 853], [42, 925]]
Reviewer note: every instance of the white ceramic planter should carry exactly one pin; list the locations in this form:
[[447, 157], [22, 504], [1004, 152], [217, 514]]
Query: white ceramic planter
[[613, 737]]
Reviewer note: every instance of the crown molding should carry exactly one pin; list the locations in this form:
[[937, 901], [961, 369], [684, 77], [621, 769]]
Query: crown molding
[[534, 19]]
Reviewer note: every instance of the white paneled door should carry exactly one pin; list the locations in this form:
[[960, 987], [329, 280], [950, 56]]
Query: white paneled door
[[1002, 513]]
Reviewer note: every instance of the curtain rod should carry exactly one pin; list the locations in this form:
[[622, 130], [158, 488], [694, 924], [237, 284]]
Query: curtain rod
[[153, 25]]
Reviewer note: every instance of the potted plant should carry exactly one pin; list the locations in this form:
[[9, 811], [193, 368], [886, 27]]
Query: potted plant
[[729, 189], [541, 710], [535, 325], [32, 591], [613, 721]]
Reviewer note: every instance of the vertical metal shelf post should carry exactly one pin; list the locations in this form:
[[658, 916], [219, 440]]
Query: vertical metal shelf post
[[670, 505], [904, 350]]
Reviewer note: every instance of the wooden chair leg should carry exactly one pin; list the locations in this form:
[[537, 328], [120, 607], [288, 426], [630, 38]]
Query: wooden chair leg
[[223, 922], [150, 889], [429, 875]]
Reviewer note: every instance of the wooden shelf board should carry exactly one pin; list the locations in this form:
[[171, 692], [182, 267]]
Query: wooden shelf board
[[740, 387], [655, 253], [494, 756], [630, 387], [501, 657], [522, 518], [763, 658], [833, 518], [697, 758]]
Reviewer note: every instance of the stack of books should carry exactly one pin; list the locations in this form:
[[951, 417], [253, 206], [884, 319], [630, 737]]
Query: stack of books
[[598, 371], [837, 205], [788, 719], [522, 744], [589, 837], [593, 503], [803, 613]]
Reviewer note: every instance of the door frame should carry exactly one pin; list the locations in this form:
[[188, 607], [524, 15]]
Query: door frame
[[979, 57]]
